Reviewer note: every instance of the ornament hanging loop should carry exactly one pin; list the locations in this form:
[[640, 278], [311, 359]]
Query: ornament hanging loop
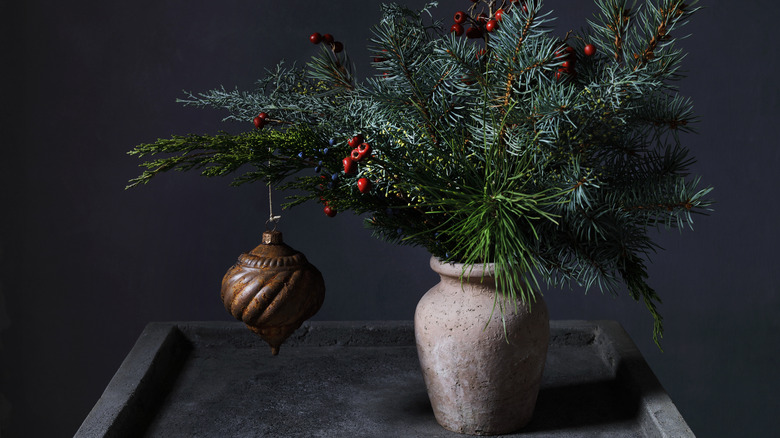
[[272, 220]]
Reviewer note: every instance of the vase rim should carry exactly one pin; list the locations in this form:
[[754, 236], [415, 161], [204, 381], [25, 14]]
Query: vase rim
[[452, 269]]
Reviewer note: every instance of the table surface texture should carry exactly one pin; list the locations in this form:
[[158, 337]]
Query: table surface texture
[[360, 379]]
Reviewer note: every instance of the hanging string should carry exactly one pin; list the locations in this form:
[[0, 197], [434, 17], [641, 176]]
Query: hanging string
[[271, 218]]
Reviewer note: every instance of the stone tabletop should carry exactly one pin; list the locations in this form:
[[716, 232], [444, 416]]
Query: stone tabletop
[[360, 379]]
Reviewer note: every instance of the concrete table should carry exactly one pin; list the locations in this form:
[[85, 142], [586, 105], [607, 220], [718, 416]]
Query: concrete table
[[360, 379]]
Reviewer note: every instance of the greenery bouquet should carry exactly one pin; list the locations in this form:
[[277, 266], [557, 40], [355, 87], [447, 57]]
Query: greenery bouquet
[[487, 140]]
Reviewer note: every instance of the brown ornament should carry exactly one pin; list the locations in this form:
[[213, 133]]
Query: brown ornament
[[273, 289]]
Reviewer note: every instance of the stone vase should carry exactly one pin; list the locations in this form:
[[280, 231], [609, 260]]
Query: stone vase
[[481, 379]]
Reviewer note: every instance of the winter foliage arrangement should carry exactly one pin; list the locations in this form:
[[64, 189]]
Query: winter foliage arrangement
[[493, 140]]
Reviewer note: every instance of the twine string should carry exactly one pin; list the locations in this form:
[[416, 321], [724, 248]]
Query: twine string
[[271, 218]]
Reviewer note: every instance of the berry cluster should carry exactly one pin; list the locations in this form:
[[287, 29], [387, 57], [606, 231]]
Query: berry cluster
[[479, 23], [361, 150], [568, 58], [317, 38]]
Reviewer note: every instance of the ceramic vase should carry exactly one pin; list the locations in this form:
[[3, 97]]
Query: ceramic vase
[[482, 374]]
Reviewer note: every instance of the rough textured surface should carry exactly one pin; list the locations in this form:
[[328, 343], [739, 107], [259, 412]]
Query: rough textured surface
[[482, 373], [360, 379]]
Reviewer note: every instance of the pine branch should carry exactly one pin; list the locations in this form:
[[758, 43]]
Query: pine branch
[[521, 37], [333, 68], [272, 153], [666, 17], [616, 18]]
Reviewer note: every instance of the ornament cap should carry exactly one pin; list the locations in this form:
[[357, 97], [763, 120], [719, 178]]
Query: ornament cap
[[272, 238]]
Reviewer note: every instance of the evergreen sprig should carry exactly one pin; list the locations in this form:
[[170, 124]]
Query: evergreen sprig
[[516, 148]]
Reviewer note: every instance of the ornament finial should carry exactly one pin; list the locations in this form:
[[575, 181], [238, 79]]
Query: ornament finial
[[272, 237]]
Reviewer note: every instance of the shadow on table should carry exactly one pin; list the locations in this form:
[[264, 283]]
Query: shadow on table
[[576, 406], [584, 404]]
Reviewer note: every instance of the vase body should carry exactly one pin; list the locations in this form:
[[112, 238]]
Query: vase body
[[481, 379]]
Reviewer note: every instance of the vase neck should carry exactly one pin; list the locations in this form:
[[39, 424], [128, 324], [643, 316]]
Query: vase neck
[[463, 273]]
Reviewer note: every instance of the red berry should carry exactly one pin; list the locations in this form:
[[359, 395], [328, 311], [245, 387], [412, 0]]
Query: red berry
[[562, 73], [355, 155], [482, 18], [474, 32], [460, 17], [457, 29], [263, 116], [499, 14], [350, 165], [328, 38], [338, 47], [259, 122], [355, 141], [525, 8], [566, 53], [364, 185], [315, 38], [567, 65], [589, 50], [364, 150], [491, 25], [329, 211]]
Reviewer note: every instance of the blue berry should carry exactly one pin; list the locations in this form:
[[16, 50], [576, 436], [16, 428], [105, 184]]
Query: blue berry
[[325, 151], [317, 169], [332, 141], [334, 177], [300, 154]]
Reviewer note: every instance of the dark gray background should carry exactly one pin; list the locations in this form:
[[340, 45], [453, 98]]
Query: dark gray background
[[85, 264]]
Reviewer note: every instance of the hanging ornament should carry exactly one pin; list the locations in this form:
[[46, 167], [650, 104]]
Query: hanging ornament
[[273, 289]]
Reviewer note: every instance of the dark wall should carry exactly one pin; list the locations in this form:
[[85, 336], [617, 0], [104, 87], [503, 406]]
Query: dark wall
[[85, 265]]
